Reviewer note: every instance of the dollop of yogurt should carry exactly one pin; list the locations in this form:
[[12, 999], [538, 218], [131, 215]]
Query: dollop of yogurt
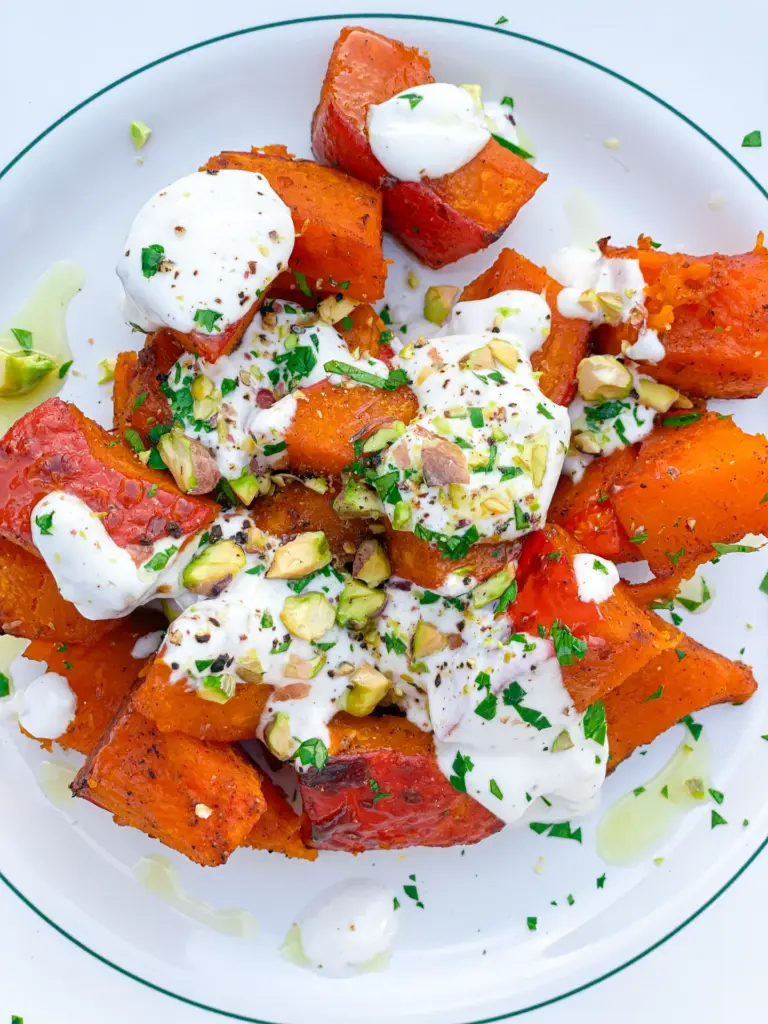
[[99, 577], [505, 726], [202, 251], [484, 454], [249, 402], [587, 276], [596, 578], [348, 928], [427, 131], [47, 706]]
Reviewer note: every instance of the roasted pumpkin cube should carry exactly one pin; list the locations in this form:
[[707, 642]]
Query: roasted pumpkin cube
[[101, 674], [337, 220], [439, 219], [420, 806], [280, 829], [711, 313], [55, 447], [201, 799], [568, 341], [620, 637], [676, 683]]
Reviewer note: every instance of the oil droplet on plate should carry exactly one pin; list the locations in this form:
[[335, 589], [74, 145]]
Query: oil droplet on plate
[[44, 315], [634, 826], [159, 876], [54, 778]]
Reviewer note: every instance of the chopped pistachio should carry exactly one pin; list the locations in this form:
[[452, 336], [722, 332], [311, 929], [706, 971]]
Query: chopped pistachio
[[384, 436], [359, 603], [299, 557], [491, 589], [427, 640], [656, 396], [601, 377], [106, 370], [308, 616], [140, 133], [278, 738], [303, 668], [357, 501], [249, 667], [371, 564], [401, 515], [438, 301], [369, 687], [505, 353], [212, 570]]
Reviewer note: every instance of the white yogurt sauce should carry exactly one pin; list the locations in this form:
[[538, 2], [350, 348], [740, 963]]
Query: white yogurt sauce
[[524, 315], [252, 405], [587, 270], [611, 425], [510, 756], [596, 578], [147, 644], [427, 131], [348, 928], [647, 349], [47, 706], [100, 578], [224, 236], [502, 121], [211, 637], [587, 275], [507, 439]]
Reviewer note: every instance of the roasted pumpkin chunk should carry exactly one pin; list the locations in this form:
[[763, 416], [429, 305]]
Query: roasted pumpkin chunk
[[439, 219], [201, 799]]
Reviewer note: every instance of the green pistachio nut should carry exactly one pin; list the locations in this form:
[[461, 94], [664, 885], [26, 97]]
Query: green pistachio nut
[[299, 557], [371, 565], [308, 616], [369, 687], [213, 569], [359, 603]]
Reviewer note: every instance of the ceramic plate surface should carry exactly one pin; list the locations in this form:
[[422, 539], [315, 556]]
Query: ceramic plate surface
[[468, 956]]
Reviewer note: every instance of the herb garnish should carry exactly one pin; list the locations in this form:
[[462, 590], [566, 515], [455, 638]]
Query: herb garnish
[[45, 524], [312, 752]]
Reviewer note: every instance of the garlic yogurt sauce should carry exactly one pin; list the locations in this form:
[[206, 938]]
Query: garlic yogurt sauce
[[241, 407], [202, 251], [99, 577], [484, 455], [506, 730]]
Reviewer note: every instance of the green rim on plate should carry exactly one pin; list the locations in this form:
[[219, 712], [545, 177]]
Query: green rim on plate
[[462, 24]]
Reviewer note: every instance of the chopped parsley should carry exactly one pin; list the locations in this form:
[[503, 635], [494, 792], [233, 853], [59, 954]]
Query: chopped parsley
[[151, 258], [680, 653], [752, 140], [675, 556], [412, 892], [228, 385], [476, 417], [160, 559], [693, 727], [64, 369], [532, 922], [717, 796], [23, 337], [313, 752], [507, 101], [561, 830], [133, 437], [639, 537], [377, 794], [681, 421], [275, 449], [455, 547], [140, 400], [5, 685], [462, 764], [568, 648], [764, 584], [513, 696], [427, 597], [207, 319], [152, 491], [717, 819], [45, 524], [487, 707], [599, 566], [595, 726], [601, 882], [653, 696], [517, 150], [395, 379], [293, 366], [301, 281], [394, 643], [495, 790], [414, 99], [727, 549], [508, 472]]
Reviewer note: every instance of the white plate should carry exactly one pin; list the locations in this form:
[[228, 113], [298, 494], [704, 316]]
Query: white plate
[[468, 956]]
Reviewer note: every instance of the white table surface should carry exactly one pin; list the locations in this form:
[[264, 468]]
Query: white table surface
[[706, 58]]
